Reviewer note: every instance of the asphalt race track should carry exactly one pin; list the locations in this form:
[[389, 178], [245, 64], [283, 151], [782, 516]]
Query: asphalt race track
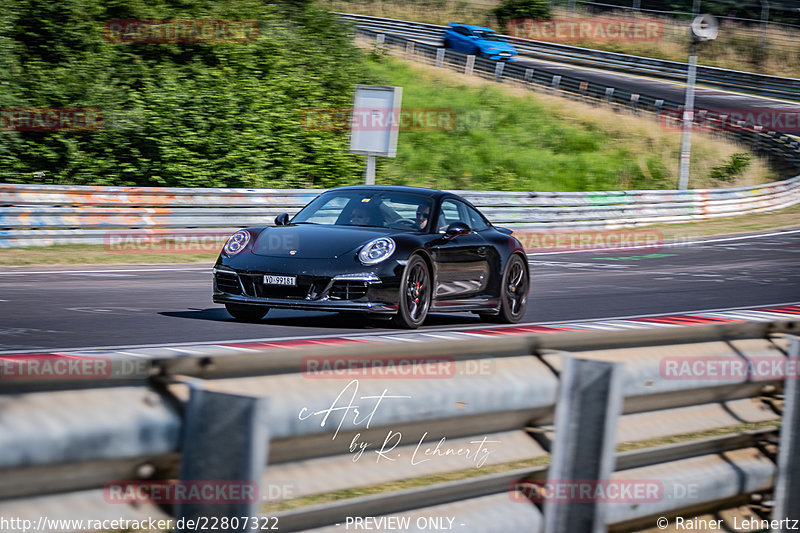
[[72, 307], [667, 90]]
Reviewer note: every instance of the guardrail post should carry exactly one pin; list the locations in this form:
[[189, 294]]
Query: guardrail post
[[658, 105], [609, 95], [470, 65], [787, 486], [528, 78], [380, 38], [588, 406], [635, 103], [757, 137], [225, 439], [439, 57], [795, 146], [498, 71], [556, 83], [409, 48]]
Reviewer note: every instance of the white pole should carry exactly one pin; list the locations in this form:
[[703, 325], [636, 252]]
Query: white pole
[[688, 116], [369, 172]]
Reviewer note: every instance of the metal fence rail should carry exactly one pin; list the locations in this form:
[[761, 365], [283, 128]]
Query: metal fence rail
[[748, 82], [37, 215], [524, 397]]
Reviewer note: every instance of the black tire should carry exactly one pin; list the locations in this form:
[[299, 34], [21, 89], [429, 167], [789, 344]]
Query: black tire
[[247, 313], [513, 293], [414, 299]]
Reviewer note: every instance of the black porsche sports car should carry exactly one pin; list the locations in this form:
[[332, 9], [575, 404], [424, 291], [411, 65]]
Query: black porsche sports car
[[398, 251]]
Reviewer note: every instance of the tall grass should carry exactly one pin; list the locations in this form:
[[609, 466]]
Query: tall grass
[[508, 138]]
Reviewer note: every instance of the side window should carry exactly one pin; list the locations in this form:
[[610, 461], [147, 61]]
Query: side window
[[455, 211], [461, 30], [448, 213], [476, 221]]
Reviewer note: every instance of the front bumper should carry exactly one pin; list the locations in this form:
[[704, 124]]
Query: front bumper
[[350, 292], [499, 56]]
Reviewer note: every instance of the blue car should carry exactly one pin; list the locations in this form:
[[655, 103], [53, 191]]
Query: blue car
[[479, 41]]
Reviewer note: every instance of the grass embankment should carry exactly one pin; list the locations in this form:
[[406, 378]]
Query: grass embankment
[[509, 138], [737, 47]]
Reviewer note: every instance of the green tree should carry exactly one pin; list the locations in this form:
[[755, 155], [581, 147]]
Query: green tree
[[510, 10], [178, 114]]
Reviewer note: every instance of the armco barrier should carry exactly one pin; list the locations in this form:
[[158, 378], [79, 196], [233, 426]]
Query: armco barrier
[[39, 215], [78, 445], [748, 82]]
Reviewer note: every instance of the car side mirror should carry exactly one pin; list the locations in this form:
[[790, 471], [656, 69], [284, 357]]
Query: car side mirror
[[455, 229], [282, 219]]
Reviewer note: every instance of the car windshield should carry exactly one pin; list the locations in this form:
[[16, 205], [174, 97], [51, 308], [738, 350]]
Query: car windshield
[[382, 209], [487, 35]]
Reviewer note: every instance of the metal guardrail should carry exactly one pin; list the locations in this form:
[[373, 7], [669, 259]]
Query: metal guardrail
[[748, 82], [565, 400], [38, 215]]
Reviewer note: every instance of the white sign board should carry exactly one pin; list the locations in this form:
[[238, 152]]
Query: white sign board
[[375, 120]]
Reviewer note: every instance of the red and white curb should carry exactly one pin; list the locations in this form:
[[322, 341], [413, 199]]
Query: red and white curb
[[771, 313]]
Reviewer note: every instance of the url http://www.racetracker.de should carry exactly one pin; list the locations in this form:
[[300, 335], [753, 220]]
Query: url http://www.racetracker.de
[[52, 525]]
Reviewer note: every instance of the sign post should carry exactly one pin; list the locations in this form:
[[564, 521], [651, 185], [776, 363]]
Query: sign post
[[375, 124], [703, 28]]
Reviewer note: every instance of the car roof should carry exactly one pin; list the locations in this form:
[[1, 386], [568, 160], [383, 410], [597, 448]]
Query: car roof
[[471, 26], [395, 188]]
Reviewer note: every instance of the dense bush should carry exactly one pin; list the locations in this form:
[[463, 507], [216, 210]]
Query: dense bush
[[521, 9], [732, 169], [201, 114]]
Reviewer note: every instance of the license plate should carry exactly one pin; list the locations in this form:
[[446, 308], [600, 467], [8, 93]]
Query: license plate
[[280, 280]]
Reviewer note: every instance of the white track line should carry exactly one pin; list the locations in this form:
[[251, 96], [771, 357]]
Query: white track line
[[21, 272], [668, 244]]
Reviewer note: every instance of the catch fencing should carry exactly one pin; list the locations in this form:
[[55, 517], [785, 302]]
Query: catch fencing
[[41, 215], [529, 414]]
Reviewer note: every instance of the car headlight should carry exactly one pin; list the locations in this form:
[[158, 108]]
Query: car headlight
[[376, 251], [237, 242]]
